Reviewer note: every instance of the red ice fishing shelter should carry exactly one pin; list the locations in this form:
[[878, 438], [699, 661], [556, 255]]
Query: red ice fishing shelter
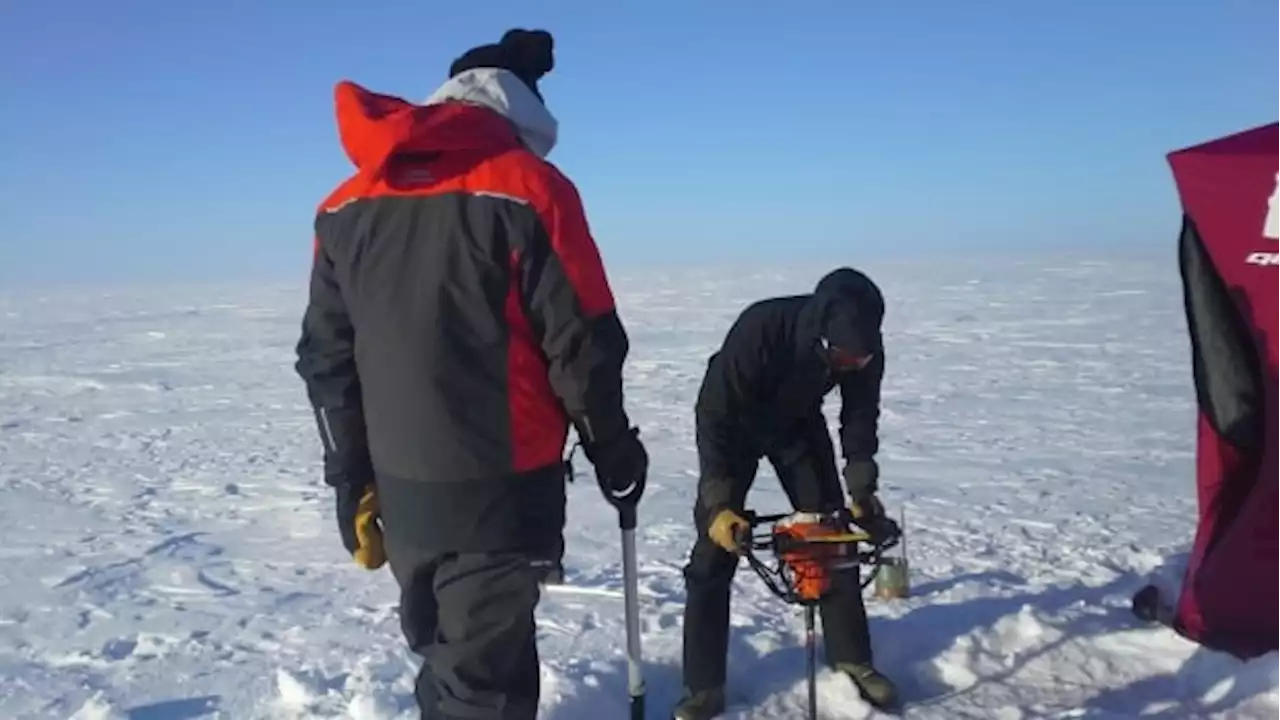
[[1229, 260]]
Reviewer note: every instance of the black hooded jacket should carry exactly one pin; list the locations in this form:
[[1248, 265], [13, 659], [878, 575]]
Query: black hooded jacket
[[763, 390]]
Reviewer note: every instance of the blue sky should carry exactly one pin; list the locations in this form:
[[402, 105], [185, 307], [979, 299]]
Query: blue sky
[[147, 140]]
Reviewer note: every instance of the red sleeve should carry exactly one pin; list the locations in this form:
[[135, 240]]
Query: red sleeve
[[566, 223], [572, 312]]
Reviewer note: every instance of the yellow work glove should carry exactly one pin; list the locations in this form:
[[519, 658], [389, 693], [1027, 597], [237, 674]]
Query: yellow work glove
[[725, 528], [369, 553]]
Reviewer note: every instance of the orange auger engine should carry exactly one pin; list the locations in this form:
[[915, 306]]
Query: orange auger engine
[[810, 548]]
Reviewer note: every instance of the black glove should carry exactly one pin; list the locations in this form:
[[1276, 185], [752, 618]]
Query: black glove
[[861, 479], [868, 514], [879, 526], [347, 467], [622, 466], [349, 488]]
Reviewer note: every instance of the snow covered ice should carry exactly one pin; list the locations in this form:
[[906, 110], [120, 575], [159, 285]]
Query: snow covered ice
[[169, 550]]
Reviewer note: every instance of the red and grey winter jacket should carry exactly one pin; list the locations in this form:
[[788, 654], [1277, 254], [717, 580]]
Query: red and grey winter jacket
[[459, 320]]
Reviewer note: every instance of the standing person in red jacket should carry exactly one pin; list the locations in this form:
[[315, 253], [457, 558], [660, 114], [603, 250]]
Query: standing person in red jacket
[[459, 321]]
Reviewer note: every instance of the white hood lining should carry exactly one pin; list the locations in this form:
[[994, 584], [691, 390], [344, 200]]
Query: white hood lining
[[504, 93]]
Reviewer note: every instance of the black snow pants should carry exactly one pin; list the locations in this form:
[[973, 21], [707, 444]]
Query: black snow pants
[[470, 616], [710, 570]]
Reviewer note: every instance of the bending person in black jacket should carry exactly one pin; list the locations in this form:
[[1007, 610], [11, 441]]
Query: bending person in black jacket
[[762, 397]]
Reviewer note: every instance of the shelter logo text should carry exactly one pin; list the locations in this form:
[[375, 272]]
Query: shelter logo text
[[1270, 230], [1271, 226]]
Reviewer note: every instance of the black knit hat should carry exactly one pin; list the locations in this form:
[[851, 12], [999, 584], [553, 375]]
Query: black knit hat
[[526, 53]]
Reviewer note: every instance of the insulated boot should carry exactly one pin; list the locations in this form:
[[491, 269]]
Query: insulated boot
[[701, 705], [874, 687]]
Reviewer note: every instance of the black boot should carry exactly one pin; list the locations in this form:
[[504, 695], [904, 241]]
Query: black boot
[[874, 687], [701, 705]]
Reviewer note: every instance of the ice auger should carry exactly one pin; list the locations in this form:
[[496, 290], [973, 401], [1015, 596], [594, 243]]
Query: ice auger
[[807, 548]]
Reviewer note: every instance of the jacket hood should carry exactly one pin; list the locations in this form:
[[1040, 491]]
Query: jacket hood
[[374, 127], [847, 310], [503, 92], [852, 289]]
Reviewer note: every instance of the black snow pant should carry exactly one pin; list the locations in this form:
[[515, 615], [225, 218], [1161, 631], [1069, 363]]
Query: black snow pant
[[710, 571], [470, 616]]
